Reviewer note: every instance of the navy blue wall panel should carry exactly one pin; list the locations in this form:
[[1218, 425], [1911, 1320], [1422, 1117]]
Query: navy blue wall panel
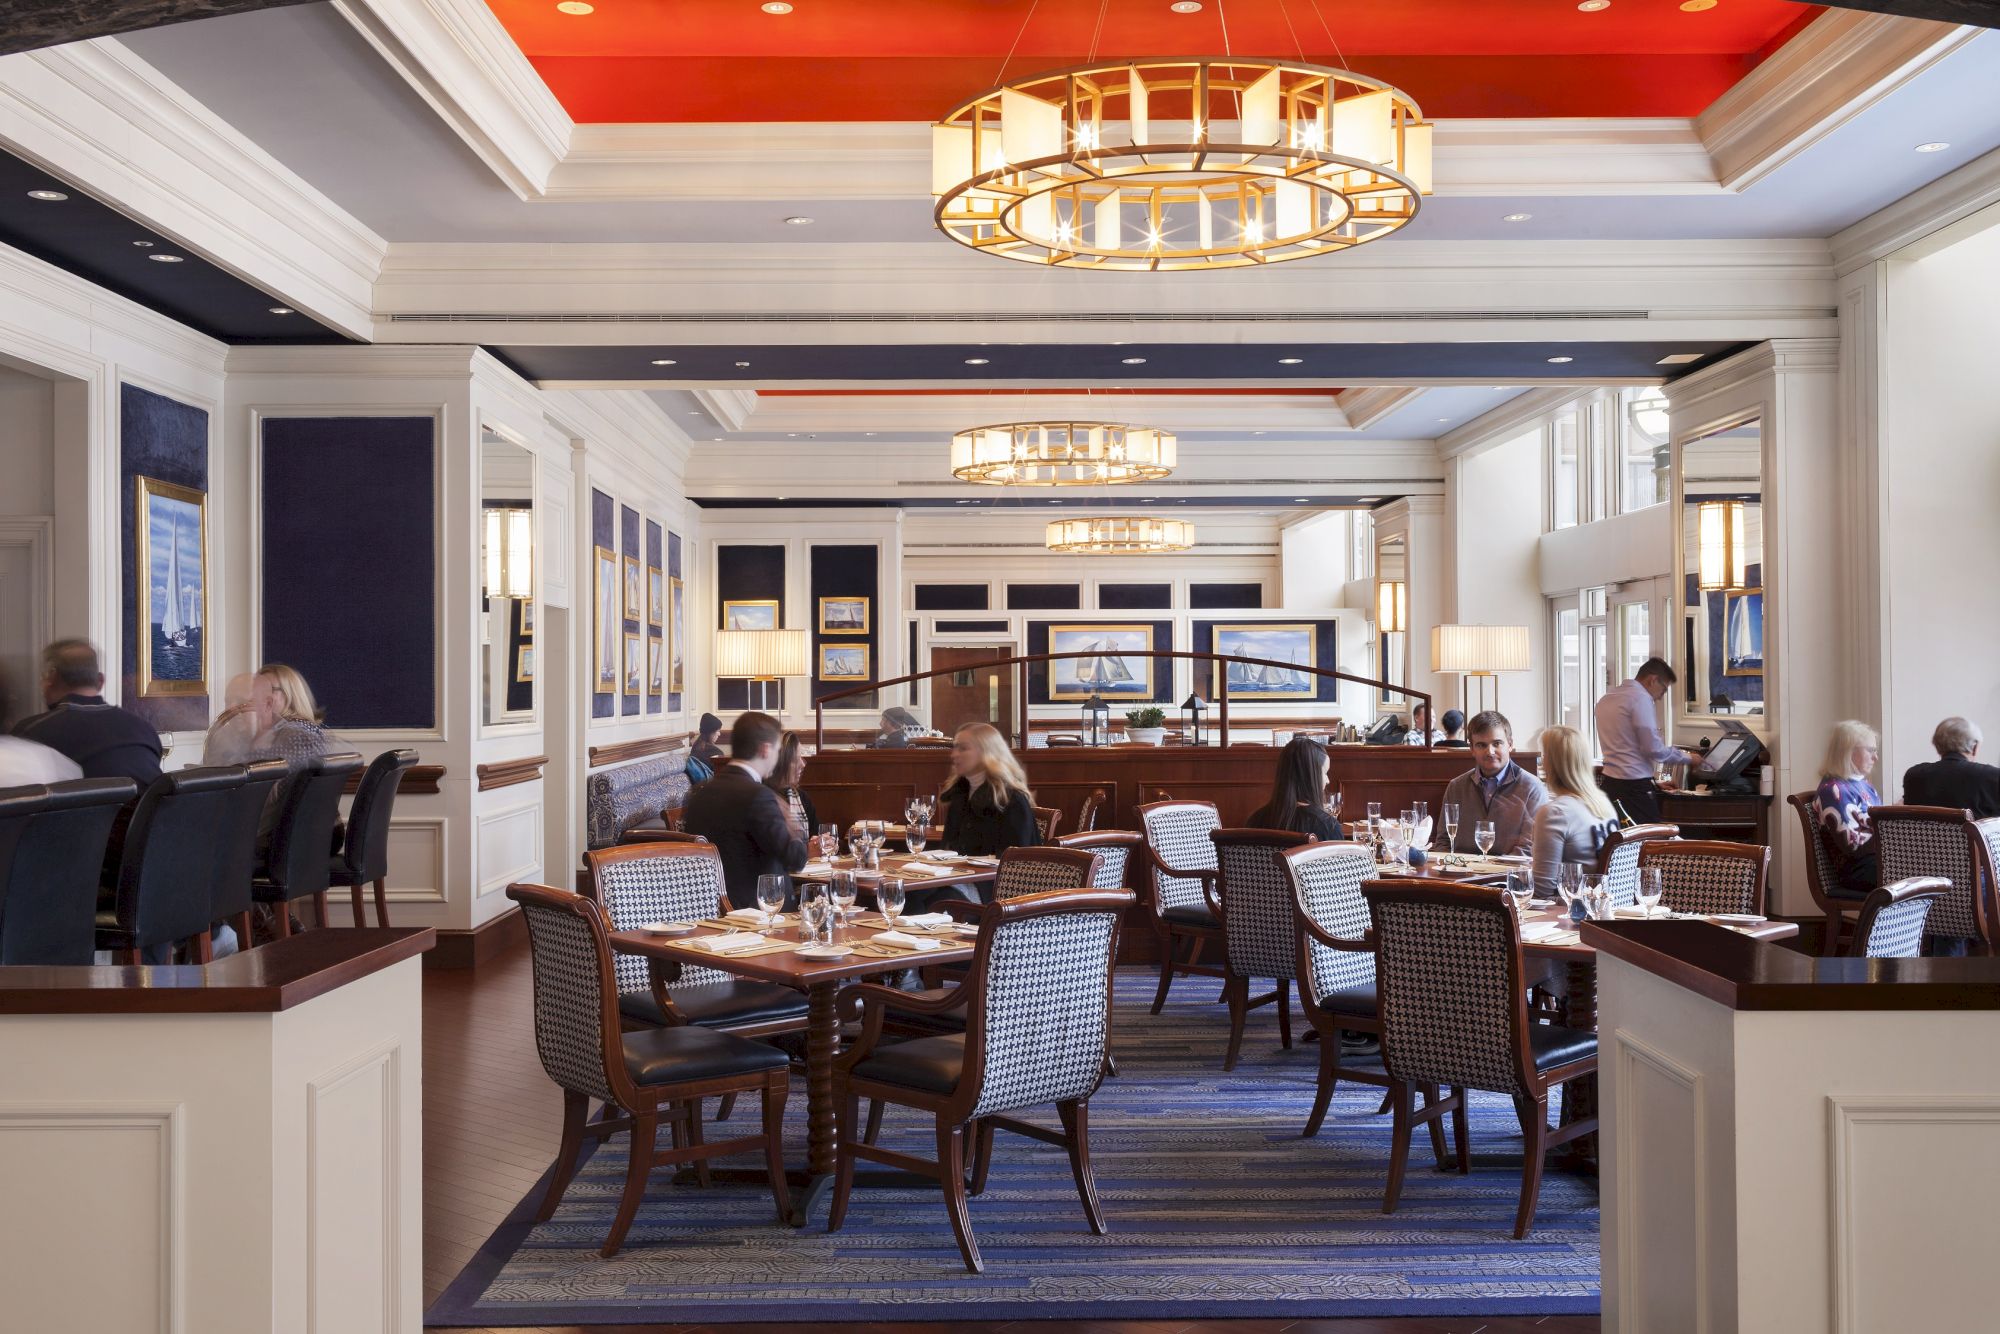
[[1135, 597], [1740, 689], [847, 571], [748, 574], [1044, 597], [603, 533], [1326, 647], [951, 597], [349, 564], [974, 627], [1163, 668], [1226, 597], [167, 441]]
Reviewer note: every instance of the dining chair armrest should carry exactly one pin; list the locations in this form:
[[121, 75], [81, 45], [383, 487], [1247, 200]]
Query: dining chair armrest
[[870, 1002], [960, 910], [660, 973], [1365, 945]]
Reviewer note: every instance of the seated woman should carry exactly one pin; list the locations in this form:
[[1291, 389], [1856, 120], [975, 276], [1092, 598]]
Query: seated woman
[[784, 780], [1572, 825], [289, 725], [988, 807], [899, 728], [1298, 794], [704, 755], [1845, 794]]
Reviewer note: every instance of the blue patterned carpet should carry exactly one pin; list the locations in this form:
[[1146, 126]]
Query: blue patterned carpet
[[1217, 1209]]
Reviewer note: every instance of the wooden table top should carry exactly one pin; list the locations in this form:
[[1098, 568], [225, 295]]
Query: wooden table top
[[790, 969], [1573, 947], [891, 868]]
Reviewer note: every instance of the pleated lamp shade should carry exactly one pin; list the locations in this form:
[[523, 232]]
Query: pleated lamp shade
[[1479, 650], [761, 655]]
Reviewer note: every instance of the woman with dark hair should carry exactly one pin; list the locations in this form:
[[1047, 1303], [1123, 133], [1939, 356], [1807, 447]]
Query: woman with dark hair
[[706, 731], [1298, 794], [784, 780]]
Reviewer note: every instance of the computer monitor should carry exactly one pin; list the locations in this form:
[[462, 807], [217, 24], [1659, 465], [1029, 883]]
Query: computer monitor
[[1735, 751]]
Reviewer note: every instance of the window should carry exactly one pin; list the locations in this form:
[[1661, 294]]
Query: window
[[1569, 668], [1643, 456], [1565, 469], [1361, 559], [1635, 638]]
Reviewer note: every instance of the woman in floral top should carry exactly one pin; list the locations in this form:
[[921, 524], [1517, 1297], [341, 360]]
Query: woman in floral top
[[1845, 795]]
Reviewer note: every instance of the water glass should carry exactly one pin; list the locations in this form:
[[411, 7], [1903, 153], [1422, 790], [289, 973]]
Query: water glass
[[772, 891], [1482, 836], [845, 890], [915, 837], [1451, 826], [1374, 812], [1521, 889], [889, 899], [816, 912], [829, 839], [913, 812], [1651, 886], [1593, 898]]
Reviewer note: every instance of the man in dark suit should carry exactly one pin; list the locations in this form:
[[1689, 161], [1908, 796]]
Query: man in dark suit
[[744, 819], [1953, 779], [107, 741]]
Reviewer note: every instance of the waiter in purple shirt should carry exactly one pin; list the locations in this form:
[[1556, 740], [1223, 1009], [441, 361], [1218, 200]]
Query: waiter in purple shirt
[[1628, 731]]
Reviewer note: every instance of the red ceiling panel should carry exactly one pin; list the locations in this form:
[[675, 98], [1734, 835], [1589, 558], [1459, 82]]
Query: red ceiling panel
[[727, 60]]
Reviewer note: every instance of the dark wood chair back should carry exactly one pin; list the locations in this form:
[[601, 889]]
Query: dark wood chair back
[[1119, 852], [1177, 840], [1093, 805], [631, 836], [1893, 917], [1259, 939], [1335, 952], [52, 842], [167, 867], [1701, 876], [1618, 859], [1025, 871], [1938, 841], [1047, 820], [577, 1033]]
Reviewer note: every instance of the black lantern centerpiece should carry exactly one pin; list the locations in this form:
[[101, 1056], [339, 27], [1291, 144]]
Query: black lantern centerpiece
[[1192, 709], [1096, 721]]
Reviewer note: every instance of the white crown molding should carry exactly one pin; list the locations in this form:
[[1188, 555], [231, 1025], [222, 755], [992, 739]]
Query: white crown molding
[[1364, 407], [384, 362], [631, 430], [943, 414], [733, 408], [1508, 420], [97, 115], [1924, 220], [1584, 155], [1838, 66], [461, 60], [48, 314]]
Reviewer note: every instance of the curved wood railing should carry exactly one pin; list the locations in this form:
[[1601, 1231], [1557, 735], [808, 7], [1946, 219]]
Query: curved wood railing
[[1026, 659]]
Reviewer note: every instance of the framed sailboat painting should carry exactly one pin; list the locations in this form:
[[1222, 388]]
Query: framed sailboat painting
[[172, 585], [1116, 662], [1288, 653]]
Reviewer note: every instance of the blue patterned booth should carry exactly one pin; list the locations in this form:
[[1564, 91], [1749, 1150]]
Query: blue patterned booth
[[632, 797]]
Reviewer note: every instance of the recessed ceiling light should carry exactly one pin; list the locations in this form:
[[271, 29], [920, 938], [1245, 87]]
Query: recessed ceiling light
[[1934, 146], [716, 438], [282, 310], [791, 435], [1559, 361], [1696, 6], [576, 7], [1368, 500], [1517, 217], [1186, 6], [1133, 361], [1148, 501], [665, 361], [1593, 6], [48, 196], [164, 259], [1678, 359], [1444, 419], [867, 433], [1290, 361], [1302, 501], [798, 222], [975, 361], [777, 7], [143, 245], [742, 363]]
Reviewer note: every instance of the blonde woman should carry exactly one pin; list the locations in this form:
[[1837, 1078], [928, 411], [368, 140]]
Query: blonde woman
[[1845, 794], [988, 807], [288, 717], [1572, 826]]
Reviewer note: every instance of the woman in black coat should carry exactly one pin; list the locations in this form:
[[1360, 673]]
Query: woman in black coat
[[988, 807], [784, 780], [1298, 794]]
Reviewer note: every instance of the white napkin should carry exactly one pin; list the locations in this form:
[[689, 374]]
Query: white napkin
[[746, 915], [816, 868], [1541, 931], [901, 941], [945, 855], [726, 944], [924, 919], [924, 868], [1422, 836]]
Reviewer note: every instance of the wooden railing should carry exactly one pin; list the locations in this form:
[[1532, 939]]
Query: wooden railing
[[1027, 659]]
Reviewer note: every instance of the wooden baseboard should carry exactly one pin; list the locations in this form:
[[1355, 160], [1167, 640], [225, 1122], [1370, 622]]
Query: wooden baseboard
[[481, 945]]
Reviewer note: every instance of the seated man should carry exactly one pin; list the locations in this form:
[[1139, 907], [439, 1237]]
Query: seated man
[[742, 817], [1421, 732], [105, 740], [1495, 789], [1953, 778]]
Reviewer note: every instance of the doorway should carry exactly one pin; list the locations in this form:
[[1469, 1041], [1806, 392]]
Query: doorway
[[974, 691]]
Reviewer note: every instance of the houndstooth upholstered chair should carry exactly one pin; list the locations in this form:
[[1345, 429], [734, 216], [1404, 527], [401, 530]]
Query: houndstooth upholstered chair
[[1822, 876], [1618, 859], [1893, 917], [1024, 871], [1455, 1013], [1258, 938], [1047, 820], [1708, 877], [1938, 841], [1093, 806], [1180, 883], [1336, 959], [1118, 851], [661, 1072], [1037, 1006]]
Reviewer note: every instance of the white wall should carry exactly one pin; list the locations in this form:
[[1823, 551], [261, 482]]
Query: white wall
[[1494, 520]]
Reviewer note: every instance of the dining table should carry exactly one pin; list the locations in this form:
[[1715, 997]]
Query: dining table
[[821, 981], [920, 874]]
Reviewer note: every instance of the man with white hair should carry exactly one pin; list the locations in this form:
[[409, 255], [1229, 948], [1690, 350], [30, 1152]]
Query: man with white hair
[[1953, 778]]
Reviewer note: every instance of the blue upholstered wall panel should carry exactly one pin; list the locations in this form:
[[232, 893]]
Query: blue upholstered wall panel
[[1135, 597], [349, 554], [1740, 689], [603, 533], [839, 572], [675, 703], [1225, 597], [1326, 647], [1044, 597], [655, 699], [951, 597], [628, 545], [167, 441], [748, 574]]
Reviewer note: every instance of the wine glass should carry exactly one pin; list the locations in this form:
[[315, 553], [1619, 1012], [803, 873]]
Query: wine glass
[[1482, 836], [771, 893], [1395, 841], [916, 836], [816, 911], [1521, 889], [845, 889], [1596, 900], [1451, 826], [1651, 886], [913, 812], [889, 900], [829, 839]]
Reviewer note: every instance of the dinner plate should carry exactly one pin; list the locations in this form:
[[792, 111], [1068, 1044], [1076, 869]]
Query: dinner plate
[[824, 951], [667, 928]]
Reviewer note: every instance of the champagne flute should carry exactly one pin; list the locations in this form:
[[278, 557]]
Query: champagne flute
[[771, 893], [889, 901], [1482, 836], [1451, 826], [1651, 887]]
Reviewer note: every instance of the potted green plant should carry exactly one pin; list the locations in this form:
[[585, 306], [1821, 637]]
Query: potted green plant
[[1146, 726]]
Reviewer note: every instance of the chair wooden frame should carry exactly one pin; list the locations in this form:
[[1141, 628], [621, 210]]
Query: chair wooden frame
[[1172, 933], [1933, 887], [869, 1004], [1659, 850], [1235, 985], [1638, 833], [1836, 910], [631, 836], [1985, 914], [1098, 839], [1330, 1026], [1086, 818], [1048, 819], [643, 1106], [1081, 860], [1532, 1107]]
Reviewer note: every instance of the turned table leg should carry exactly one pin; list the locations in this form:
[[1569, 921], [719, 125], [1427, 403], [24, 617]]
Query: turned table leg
[[822, 1042], [1579, 1096]]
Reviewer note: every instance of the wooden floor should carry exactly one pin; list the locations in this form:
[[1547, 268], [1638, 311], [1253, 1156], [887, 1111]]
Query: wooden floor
[[492, 1120]]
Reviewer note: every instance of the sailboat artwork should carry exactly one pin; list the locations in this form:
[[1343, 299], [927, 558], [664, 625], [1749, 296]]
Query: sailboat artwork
[[172, 587], [1114, 662], [1287, 654]]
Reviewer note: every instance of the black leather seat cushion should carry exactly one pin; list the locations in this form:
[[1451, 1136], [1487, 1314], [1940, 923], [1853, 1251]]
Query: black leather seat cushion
[[721, 1004], [1191, 914], [685, 1054], [1354, 1000], [1555, 1045], [930, 1064]]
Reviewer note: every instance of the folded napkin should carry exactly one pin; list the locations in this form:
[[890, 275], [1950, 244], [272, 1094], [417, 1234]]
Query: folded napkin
[[898, 940], [924, 919], [748, 915], [729, 944], [924, 868], [816, 868], [1542, 931]]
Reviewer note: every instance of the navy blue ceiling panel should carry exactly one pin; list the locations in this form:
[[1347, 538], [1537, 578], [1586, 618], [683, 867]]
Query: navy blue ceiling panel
[[1104, 363], [101, 245]]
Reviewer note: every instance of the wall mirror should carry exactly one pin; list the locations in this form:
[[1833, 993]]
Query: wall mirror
[[507, 635], [1392, 615], [1721, 590]]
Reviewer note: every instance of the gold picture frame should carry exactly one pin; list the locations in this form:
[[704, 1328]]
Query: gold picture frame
[[843, 616], [173, 661], [1742, 628], [635, 666], [676, 636], [1278, 642], [655, 665], [750, 614], [604, 658], [1122, 671], [844, 662], [524, 665], [635, 590], [656, 596]]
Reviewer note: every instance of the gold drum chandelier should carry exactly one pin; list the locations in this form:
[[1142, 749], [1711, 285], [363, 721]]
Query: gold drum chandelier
[[1062, 453], [1119, 535], [1180, 164]]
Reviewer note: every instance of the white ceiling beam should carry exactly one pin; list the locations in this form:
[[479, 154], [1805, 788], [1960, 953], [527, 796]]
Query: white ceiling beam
[[1366, 406], [1924, 220], [942, 414], [1508, 420], [732, 407]]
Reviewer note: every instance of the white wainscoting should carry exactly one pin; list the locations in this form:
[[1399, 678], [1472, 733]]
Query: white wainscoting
[[108, 1178], [353, 1167], [416, 859], [1911, 1183], [1662, 1148], [508, 845]]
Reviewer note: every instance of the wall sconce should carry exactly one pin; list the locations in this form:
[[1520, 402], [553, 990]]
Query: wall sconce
[[1719, 539], [1392, 607], [510, 553]]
